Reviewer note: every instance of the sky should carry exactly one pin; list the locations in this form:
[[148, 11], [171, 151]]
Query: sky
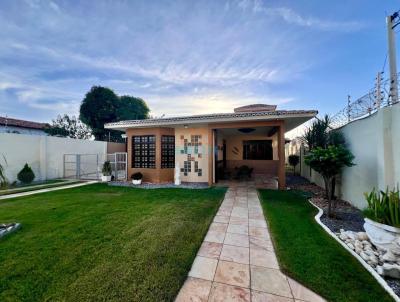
[[189, 57]]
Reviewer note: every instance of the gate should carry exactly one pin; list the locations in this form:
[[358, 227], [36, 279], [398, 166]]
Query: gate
[[119, 165], [81, 166], [88, 166]]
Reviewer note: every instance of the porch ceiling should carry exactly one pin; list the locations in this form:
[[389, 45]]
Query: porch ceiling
[[235, 131]]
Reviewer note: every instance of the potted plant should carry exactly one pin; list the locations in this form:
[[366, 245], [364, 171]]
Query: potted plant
[[382, 222], [106, 172], [137, 178]]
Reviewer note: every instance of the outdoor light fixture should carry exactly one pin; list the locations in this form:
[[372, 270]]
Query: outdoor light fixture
[[185, 126], [246, 130]]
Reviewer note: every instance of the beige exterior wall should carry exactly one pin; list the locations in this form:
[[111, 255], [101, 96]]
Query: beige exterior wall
[[201, 157]]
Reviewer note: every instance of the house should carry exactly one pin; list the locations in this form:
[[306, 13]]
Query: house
[[11, 125], [203, 147]]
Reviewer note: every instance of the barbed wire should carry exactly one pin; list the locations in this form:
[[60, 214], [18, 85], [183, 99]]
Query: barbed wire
[[364, 106]]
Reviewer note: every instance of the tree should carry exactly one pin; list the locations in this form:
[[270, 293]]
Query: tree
[[132, 108], [329, 162], [317, 135], [294, 161], [66, 126], [101, 105]]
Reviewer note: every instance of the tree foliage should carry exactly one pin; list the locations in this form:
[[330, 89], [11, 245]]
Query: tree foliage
[[66, 126], [101, 105], [329, 162]]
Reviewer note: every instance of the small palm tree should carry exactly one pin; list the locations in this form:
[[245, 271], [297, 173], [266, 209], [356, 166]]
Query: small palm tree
[[3, 179]]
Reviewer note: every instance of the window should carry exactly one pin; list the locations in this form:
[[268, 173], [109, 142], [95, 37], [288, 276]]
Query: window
[[144, 151], [257, 150], [167, 151]]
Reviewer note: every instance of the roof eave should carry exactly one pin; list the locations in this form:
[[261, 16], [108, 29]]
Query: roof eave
[[159, 123]]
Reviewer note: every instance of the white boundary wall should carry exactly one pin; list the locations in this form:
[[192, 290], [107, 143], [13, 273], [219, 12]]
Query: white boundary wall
[[43, 153], [375, 143]]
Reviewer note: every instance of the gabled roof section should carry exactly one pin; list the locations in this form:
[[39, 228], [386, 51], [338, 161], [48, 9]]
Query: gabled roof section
[[213, 118], [6, 121]]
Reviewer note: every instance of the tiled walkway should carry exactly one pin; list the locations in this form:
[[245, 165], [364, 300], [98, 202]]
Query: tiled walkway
[[236, 261]]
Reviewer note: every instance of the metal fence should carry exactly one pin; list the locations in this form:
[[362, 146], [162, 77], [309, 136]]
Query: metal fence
[[369, 103], [82, 166], [88, 166], [119, 165]]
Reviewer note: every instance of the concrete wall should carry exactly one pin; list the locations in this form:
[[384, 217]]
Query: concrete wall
[[21, 130], [43, 153], [375, 143]]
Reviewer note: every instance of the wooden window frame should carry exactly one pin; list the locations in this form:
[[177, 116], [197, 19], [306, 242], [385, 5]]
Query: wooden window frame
[[266, 154], [144, 152], [167, 151]]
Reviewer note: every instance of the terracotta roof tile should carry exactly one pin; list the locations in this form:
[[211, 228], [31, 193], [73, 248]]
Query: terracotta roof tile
[[21, 123]]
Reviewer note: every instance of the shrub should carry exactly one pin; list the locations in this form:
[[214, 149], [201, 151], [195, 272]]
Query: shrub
[[294, 161], [384, 207], [107, 170], [137, 176], [26, 175]]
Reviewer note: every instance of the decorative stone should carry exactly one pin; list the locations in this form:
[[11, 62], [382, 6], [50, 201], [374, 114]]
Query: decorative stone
[[8, 228], [362, 236], [389, 257], [383, 236], [389, 270], [364, 256]]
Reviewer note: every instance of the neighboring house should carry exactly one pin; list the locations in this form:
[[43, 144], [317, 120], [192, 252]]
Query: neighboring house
[[205, 146], [11, 125]]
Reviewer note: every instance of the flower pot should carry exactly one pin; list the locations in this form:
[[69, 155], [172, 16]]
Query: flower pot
[[105, 178], [383, 236], [136, 181]]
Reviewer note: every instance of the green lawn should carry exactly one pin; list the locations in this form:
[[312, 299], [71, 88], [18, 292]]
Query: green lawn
[[308, 254], [102, 243]]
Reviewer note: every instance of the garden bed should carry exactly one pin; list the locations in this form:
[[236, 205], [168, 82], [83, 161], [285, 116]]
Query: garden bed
[[147, 185], [346, 218], [308, 254]]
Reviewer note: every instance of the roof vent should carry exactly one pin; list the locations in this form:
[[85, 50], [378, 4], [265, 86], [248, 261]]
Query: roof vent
[[255, 108]]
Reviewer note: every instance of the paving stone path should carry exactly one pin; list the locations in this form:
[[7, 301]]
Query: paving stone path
[[237, 261]]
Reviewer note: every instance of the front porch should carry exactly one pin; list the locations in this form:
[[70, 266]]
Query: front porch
[[249, 153]]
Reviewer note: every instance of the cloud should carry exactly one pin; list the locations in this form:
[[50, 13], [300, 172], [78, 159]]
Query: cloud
[[290, 16], [206, 58]]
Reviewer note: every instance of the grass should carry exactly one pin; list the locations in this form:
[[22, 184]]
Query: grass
[[308, 254], [103, 243], [20, 188]]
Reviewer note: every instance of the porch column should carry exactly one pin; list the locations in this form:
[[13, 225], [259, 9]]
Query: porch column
[[281, 154]]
